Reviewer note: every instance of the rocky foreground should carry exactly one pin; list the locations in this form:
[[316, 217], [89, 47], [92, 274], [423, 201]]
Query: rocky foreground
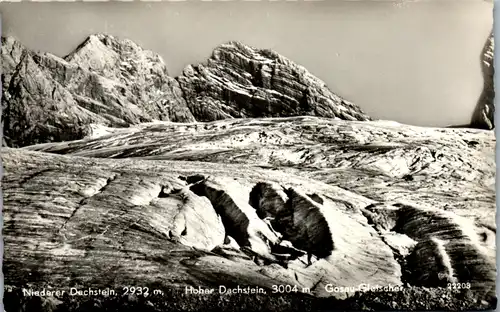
[[243, 184], [205, 205]]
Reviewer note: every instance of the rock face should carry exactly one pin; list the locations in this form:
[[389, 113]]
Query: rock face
[[105, 81], [141, 76], [115, 83], [38, 109], [239, 81], [483, 117], [11, 50]]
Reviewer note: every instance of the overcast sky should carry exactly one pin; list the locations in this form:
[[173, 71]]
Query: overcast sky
[[413, 62]]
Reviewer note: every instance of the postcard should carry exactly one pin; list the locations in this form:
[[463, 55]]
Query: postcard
[[248, 156]]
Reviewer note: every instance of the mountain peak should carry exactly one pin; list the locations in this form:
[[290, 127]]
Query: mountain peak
[[240, 81], [9, 40], [101, 38], [235, 46], [107, 49], [11, 46]]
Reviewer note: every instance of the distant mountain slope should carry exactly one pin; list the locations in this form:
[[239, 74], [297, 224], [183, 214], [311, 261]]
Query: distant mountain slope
[[116, 83], [241, 81], [483, 117]]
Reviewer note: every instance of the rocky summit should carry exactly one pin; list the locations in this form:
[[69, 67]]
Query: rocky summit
[[239, 81], [243, 184], [484, 114]]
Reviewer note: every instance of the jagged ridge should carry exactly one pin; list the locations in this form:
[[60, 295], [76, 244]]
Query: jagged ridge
[[116, 83]]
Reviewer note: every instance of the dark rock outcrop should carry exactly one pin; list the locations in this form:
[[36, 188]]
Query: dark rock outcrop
[[449, 249], [483, 117], [240, 219], [301, 220], [239, 81], [11, 52]]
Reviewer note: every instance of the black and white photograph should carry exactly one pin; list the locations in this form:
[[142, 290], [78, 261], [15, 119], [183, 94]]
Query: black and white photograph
[[189, 155]]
